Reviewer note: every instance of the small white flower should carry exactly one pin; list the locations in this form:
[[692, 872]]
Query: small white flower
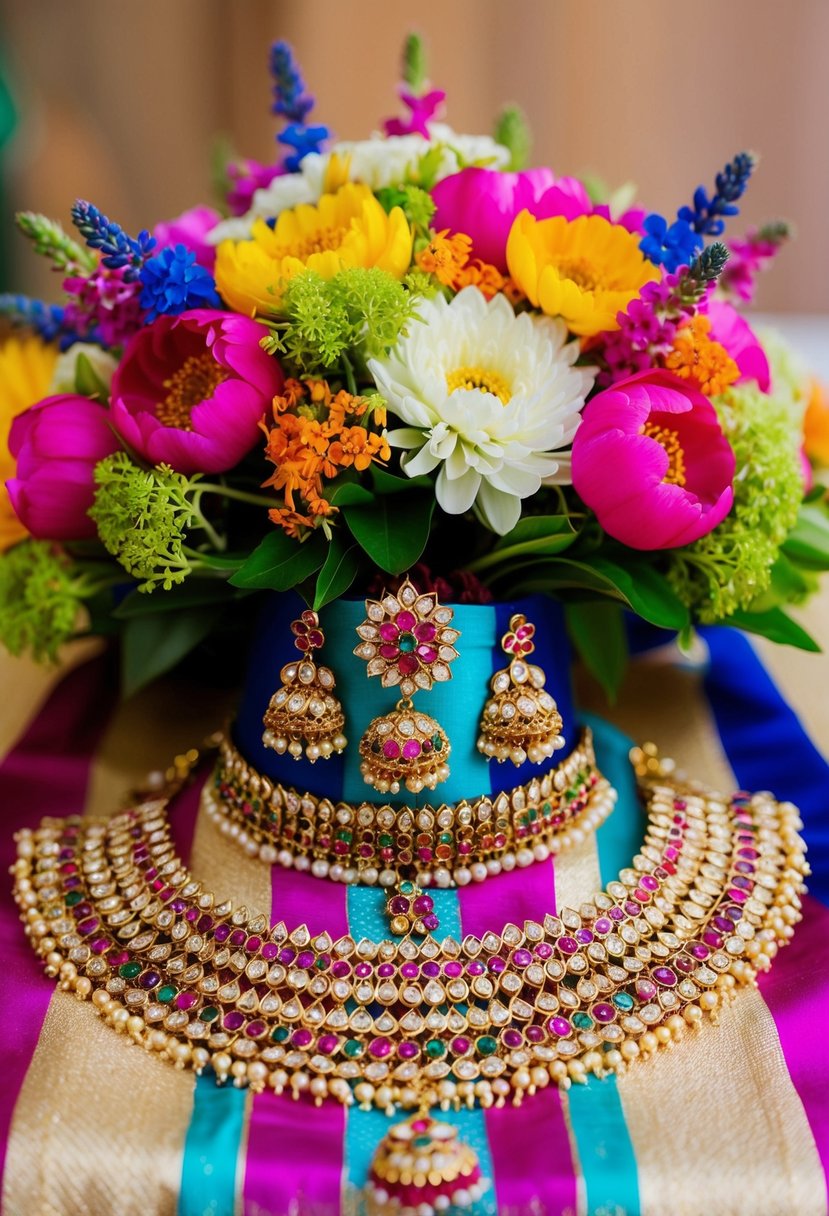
[[64, 377], [491, 398], [380, 161]]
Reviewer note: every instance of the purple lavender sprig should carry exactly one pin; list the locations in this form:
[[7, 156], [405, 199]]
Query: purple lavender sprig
[[292, 103], [707, 215], [120, 252], [46, 320], [290, 100]]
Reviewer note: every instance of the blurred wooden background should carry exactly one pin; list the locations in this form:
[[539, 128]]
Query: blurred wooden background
[[120, 102]]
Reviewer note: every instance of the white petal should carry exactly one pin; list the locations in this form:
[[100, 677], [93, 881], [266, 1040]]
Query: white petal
[[500, 511], [457, 496]]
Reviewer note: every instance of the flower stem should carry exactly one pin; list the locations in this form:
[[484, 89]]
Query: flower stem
[[349, 375], [257, 500]]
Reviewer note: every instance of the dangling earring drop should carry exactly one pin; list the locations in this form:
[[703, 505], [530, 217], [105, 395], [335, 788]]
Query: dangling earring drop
[[304, 715], [520, 720], [407, 640]]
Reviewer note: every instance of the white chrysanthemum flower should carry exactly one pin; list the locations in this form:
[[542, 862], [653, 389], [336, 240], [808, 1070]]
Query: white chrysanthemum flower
[[490, 398], [383, 160]]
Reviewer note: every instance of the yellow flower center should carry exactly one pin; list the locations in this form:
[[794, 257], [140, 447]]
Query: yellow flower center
[[478, 377], [195, 381], [319, 240], [675, 474], [581, 271]]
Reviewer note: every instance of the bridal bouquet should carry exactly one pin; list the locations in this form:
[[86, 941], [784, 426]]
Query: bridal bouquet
[[399, 351]]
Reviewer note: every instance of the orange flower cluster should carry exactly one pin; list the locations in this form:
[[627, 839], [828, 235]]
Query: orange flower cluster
[[816, 425], [311, 440], [447, 258], [697, 357]]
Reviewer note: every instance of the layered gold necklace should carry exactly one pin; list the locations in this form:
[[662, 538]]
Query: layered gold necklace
[[413, 1022]]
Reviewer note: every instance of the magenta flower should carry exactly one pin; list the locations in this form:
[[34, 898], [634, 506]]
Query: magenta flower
[[651, 460], [57, 444], [104, 306], [246, 177], [190, 229], [733, 332], [190, 390], [423, 109]]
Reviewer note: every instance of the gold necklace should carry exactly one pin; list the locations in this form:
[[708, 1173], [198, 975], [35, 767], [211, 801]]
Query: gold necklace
[[708, 900], [440, 846]]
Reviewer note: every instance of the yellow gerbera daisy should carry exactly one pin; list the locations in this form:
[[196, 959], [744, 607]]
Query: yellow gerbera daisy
[[584, 270], [26, 368], [347, 228]]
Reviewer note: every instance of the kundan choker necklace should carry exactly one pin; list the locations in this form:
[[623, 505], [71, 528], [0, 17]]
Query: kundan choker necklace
[[443, 846]]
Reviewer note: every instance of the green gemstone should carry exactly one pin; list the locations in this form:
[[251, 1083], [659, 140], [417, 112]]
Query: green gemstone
[[407, 642], [345, 835], [546, 810], [622, 1000], [486, 1045], [321, 964], [209, 1013], [72, 897], [280, 1034], [352, 1048], [570, 795], [256, 804], [446, 838], [406, 888], [437, 743], [166, 994], [533, 814], [386, 841], [582, 1021], [129, 970], [421, 1141], [435, 1048]]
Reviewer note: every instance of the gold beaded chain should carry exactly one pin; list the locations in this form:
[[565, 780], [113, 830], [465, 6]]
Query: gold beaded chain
[[705, 905], [440, 846]]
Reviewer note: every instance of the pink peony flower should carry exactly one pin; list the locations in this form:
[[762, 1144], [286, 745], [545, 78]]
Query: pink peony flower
[[190, 229], [57, 444], [190, 390], [733, 332], [651, 460], [483, 203]]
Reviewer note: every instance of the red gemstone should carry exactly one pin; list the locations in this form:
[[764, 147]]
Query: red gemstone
[[408, 664], [406, 620], [425, 631]]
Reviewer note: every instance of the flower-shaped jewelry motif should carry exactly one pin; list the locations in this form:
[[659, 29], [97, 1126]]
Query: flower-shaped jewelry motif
[[307, 633], [519, 640], [406, 639]]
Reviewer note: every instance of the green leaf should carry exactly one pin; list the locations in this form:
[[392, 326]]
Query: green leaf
[[394, 531], [808, 541], [598, 633], [87, 381], [338, 572], [648, 593], [387, 483], [542, 534], [638, 585], [349, 494], [193, 593], [776, 626], [154, 644], [789, 583], [279, 562]]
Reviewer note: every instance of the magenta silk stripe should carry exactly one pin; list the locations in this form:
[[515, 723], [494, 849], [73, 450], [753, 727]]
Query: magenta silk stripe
[[45, 773], [295, 1156], [532, 1159], [299, 899], [184, 814], [797, 997]]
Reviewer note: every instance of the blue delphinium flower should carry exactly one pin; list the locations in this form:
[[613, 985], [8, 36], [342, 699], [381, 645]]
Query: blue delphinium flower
[[173, 281], [303, 140], [119, 250], [669, 245], [707, 214]]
